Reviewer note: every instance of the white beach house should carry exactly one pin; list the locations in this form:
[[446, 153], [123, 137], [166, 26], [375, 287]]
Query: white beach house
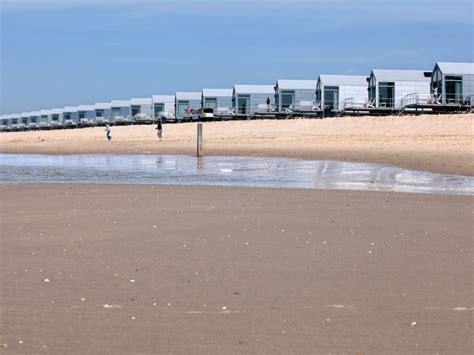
[[295, 94]]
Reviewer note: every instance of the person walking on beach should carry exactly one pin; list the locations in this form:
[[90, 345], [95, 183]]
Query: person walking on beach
[[268, 104], [159, 129], [108, 132]]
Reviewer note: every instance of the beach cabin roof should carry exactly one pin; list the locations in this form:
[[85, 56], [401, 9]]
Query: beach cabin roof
[[456, 68], [163, 98], [120, 103], [70, 109], [102, 105], [401, 75], [24, 114], [217, 92], [296, 84], [86, 108], [140, 101], [254, 89], [345, 80], [188, 96], [45, 112], [57, 110], [35, 113]]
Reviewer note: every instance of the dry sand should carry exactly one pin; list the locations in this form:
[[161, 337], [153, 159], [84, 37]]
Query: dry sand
[[430, 142], [164, 269]]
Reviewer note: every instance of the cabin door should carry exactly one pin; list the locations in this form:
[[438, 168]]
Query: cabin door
[[158, 109], [183, 106], [243, 105], [453, 89]]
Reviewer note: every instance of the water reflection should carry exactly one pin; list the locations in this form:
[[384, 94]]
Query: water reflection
[[227, 171]]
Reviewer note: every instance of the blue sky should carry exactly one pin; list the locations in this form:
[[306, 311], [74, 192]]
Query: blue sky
[[56, 53]]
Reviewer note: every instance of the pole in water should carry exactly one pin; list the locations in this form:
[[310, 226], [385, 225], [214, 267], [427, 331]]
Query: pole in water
[[199, 139]]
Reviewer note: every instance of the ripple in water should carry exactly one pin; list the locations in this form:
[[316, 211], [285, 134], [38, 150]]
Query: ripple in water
[[227, 171]]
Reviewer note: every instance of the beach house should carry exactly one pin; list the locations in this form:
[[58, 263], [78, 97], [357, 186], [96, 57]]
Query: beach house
[[453, 83], [187, 105], [86, 115], [249, 99], [294, 94], [163, 106], [141, 110], [332, 91], [120, 112], [387, 88], [217, 101]]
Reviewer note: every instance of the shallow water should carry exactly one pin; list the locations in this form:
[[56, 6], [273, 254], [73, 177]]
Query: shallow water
[[227, 171]]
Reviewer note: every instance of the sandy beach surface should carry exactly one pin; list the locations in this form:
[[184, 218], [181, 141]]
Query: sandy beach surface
[[89, 269], [430, 142]]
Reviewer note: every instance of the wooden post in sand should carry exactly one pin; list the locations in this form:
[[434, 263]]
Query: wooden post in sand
[[199, 140]]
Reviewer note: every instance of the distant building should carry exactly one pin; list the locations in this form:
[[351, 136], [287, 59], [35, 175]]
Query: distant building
[[333, 90], [249, 99], [387, 88], [289, 93], [453, 82], [186, 103], [163, 106], [219, 100]]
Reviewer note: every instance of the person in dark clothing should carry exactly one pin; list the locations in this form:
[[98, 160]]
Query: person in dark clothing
[[159, 129], [268, 104]]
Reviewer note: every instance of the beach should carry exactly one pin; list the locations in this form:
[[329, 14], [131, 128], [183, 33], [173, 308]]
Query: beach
[[437, 143], [213, 270]]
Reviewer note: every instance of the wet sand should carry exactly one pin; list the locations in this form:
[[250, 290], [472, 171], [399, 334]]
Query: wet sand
[[232, 270], [434, 143]]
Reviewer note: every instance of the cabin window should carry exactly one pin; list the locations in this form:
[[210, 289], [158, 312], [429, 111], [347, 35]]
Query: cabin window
[[4, 122], [33, 119], [183, 106], [14, 121], [243, 104], [82, 115], [210, 103], [453, 86], [24, 120], [115, 112], [331, 97], [44, 119], [136, 110], [55, 118], [99, 113], [386, 94], [287, 99], [67, 116], [158, 109]]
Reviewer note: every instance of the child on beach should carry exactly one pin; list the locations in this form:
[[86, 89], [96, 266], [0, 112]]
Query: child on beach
[[108, 132], [159, 129]]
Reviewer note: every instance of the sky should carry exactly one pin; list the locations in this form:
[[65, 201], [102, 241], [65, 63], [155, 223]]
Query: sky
[[57, 53]]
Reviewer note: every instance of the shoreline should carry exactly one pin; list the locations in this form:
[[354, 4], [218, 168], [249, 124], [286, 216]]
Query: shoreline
[[439, 144]]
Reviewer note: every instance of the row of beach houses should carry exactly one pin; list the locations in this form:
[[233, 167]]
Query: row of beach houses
[[447, 85]]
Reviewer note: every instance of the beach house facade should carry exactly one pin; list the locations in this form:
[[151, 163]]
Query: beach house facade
[[333, 91], [163, 106], [294, 94], [250, 99], [387, 88], [453, 83], [188, 105], [217, 101]]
